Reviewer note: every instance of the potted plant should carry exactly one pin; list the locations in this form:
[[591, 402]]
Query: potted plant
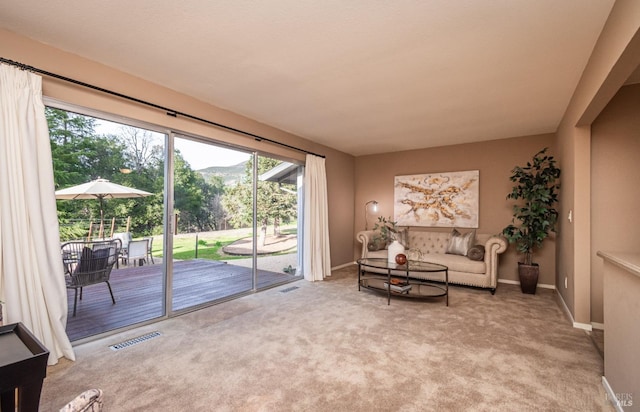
[[386, 228], [388, 236], [534, 215]]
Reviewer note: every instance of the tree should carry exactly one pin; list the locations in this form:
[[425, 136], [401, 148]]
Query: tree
[[141, 150], [80, 155], [143, 168], [69, 134], [189, 196], [213, 192], [274, 205]]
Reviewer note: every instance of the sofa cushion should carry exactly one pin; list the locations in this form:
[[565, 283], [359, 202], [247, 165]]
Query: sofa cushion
[[429, 241], [378, 254], [456, 263], [460, 243]]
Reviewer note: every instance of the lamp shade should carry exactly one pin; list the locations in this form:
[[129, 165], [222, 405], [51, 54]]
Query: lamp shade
[[366, 210]]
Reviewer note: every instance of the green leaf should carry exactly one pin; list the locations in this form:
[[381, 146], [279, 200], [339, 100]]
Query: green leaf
[[536, 193]]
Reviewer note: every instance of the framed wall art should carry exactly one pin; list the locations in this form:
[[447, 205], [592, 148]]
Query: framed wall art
[[438, 199]]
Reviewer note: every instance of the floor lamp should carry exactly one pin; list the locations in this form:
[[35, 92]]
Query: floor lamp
[[366, 212]]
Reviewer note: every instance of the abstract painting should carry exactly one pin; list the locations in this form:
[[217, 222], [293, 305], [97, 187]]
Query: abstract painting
[[437, 200]]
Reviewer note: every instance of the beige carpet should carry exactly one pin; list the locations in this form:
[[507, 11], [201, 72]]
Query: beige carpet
[[327, 347]]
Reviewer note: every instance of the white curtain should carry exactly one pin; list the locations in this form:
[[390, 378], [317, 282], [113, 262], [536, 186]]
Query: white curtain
[[32, 284], [316, 251]]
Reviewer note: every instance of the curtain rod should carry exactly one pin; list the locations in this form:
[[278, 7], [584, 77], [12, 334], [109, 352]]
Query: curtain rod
[[170, 112]]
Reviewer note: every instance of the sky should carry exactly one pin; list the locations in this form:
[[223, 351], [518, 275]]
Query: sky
[[198, 155], [201, 155]]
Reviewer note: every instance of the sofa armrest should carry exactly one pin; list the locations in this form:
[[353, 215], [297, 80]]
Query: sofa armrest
[[365, 237], [492, 248]]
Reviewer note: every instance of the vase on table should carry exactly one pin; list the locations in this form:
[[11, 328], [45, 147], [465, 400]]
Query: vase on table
[[394, 249]]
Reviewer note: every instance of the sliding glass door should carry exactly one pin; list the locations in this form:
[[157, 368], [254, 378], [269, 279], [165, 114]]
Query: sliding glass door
[[212, 205], [236, 220], [279, 191], [211, 222]]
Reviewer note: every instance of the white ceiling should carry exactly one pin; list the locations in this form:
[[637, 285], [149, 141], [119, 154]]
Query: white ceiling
[[360, 76]]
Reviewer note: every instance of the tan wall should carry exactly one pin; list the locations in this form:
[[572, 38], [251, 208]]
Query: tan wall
[[622, 333], [615, 56], [615, 152], [340, 182], [494, 159], [340, 166]]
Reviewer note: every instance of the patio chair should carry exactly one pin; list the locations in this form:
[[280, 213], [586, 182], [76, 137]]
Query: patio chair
[[137, 251], [88, 263], [125, 238], [149, 251]]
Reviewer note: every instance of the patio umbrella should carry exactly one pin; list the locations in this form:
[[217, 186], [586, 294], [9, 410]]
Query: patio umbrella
[[100, 189]]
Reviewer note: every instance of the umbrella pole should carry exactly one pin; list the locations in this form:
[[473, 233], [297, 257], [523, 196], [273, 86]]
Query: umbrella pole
[[101, 217], [113, 225]]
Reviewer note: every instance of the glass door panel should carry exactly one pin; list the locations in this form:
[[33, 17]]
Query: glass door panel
[[213, 223], [126, 160], [279, 194]]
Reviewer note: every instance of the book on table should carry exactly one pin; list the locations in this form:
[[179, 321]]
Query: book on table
[[398, 287]]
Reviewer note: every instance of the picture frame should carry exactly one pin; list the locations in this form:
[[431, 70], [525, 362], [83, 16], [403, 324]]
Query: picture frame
[[449, 199]]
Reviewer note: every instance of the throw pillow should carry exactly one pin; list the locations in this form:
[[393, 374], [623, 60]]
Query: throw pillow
[[476, 252], [376, 244], [459, 244], [101, 258], [402, 236], [92, 260], [84, 264]]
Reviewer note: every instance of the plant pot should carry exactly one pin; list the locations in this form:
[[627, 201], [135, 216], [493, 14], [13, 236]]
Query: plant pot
[[394, 249], [528, 277]]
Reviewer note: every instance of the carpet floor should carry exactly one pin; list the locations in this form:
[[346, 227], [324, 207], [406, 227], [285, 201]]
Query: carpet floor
[[326, 346]]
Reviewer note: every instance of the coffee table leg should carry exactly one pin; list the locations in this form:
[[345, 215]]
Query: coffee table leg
[[359, 269], [446, 282], [389, 287]]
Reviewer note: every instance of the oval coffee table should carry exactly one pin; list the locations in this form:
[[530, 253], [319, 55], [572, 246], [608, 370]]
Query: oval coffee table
[[403, 281]]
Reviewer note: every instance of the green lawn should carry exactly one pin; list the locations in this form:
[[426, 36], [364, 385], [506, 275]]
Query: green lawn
[[185, 248], [209, 245]]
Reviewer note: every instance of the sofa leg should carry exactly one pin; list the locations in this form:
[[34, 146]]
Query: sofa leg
[[493, 291]]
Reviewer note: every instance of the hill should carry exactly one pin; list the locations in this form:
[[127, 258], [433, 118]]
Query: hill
[[230, 174]]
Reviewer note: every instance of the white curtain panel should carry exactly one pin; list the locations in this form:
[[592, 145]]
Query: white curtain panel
[[316, 251], [32, 284]]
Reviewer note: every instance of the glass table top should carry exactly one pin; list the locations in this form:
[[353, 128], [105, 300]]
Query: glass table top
[[412, 265]]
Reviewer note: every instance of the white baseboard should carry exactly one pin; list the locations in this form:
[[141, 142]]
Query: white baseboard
[[597, 325], [611, 395], [515, 282], [578, 325], [583, 326], [346, 265]]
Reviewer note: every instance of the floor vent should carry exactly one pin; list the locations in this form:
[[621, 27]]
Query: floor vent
[[134, 341], [289, 289]]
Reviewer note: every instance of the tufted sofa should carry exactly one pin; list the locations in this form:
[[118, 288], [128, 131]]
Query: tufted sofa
[[432, 246]]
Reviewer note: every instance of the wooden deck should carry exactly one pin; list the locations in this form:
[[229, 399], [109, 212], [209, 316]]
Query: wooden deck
[[139, 295]]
